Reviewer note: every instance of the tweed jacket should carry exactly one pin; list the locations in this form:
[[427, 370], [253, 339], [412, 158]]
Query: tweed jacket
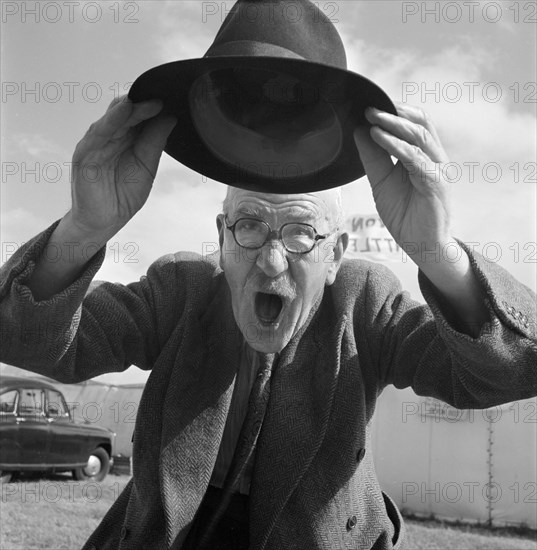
[[314, 485]]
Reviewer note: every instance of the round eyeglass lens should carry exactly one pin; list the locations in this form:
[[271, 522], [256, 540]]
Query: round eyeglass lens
[[251, 233], [298, 237]]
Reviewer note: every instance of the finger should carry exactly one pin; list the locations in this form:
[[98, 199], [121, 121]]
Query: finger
[[140, 112], [151, 141], [422, 169], [117, 100], [124, 114], [419, 116], [377, 162], [409, 131]]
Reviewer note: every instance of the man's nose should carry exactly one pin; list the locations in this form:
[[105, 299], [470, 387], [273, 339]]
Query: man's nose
[[272, 259]]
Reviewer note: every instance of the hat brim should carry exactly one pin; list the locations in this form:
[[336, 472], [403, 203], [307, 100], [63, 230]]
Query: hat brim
[[349, 94]]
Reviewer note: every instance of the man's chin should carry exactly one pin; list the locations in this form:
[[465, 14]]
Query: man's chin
[[267, 341], [267, 347]]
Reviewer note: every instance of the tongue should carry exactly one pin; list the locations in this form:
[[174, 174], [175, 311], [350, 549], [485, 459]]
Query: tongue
[[268, 306]]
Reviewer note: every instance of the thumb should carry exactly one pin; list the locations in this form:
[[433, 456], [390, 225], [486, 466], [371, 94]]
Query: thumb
[[376, 160], [152, 139]]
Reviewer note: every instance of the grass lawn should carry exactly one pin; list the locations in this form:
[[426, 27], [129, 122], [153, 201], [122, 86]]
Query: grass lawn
[[435, 535], [53, 512], [57, 512]]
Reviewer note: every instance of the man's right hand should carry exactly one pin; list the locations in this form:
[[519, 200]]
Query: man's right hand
[[114, 166]]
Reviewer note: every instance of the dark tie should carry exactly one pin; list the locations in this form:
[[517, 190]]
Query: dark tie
[[257, 405]]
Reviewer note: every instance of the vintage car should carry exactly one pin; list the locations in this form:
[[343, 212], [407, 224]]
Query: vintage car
[[38, 433]]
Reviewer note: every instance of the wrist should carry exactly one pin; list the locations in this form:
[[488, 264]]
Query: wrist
[[445, 265], [70, 229], [432, 254]]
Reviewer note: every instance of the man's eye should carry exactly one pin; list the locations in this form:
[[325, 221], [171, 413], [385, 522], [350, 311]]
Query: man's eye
[[250, 226], [301, 231]]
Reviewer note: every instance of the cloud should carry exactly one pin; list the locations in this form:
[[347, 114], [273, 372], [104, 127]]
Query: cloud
[[35, 145], [189, 27], [475, 116]]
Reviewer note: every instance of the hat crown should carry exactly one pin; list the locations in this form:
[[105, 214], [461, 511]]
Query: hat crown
[[280, 28]]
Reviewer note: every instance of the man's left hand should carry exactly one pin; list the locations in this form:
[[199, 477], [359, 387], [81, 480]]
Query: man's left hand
[[412, 196]]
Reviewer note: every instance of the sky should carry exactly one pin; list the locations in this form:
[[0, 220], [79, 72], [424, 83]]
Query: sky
[[470, 65]]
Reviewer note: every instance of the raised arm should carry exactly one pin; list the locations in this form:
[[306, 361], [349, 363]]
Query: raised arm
[[51, 320], [412, 198], [114, 166]]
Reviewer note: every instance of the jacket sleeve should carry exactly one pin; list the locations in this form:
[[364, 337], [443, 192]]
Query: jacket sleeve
[[89, 328], [415, 345]]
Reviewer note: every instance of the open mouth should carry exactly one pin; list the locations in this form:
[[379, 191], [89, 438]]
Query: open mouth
[[268, 307]]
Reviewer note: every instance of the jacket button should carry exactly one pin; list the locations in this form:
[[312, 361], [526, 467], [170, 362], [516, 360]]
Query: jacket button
[[123, 533], [351, 523], [360, 455]]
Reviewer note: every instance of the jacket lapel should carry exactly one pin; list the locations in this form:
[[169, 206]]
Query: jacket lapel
[[196, 407], [301, 395]]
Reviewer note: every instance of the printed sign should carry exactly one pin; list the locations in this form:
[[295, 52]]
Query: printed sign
[[369, 239]]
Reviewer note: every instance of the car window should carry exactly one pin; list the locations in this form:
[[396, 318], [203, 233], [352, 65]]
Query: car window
[[7, 401], [56, 406], [31, 402]]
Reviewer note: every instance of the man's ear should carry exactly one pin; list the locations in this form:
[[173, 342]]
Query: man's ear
[[220, 226], [339, 251]]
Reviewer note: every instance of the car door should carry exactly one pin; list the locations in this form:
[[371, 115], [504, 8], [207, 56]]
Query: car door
[[66, 437], [9, 429], [34, 436]]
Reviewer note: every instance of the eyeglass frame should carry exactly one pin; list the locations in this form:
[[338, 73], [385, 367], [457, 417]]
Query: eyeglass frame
[[317, 239]]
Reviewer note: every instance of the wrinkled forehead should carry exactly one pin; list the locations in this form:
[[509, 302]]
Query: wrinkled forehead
[[321, 205]]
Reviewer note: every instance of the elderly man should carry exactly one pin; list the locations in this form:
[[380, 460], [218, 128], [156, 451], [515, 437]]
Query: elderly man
[[278, 316], [266, 361]]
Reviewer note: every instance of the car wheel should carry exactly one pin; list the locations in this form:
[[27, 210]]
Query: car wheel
[[97, 467], [5, 477]]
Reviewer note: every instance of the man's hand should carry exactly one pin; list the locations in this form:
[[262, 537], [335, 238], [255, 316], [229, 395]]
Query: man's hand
[[412, 199], [115, 164]]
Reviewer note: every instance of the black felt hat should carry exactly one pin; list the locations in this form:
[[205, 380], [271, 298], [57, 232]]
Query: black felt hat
[[271, 106]]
